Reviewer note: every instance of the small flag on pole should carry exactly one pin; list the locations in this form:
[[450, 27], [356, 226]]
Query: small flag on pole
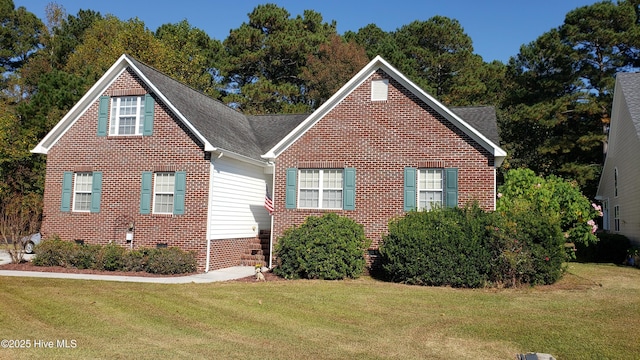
[[268, 202]]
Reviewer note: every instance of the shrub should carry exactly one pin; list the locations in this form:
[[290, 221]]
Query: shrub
[[171, 261], [54, 252], [611, 248], [554, 198], [84, 256], [329, 247], [471, 248], [527, 248], [110, 258], [136, 260], [438, 247]]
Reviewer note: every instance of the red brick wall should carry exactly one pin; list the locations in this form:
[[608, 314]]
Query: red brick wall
[[380, 139], [122, 161]]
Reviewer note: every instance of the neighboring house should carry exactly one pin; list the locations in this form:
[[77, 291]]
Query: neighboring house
[[619, 188], [144, 161]]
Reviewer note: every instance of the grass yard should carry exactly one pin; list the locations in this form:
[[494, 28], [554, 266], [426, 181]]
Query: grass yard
[[592, 313]]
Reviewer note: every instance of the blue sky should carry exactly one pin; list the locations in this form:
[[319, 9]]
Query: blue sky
[[497, 27]]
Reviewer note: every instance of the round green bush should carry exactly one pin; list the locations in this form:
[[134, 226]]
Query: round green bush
[[438, 247], [329, 247]]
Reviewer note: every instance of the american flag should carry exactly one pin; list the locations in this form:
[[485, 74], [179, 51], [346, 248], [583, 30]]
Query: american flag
[[268, 202]]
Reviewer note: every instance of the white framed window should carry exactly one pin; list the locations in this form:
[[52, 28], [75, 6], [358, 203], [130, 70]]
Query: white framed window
[[430, 188], [82, 191], [163, 192], [320, 188], [616, 218], [127, 115]]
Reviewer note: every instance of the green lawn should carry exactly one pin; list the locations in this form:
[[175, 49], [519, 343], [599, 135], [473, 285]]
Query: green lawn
[[592, 313]]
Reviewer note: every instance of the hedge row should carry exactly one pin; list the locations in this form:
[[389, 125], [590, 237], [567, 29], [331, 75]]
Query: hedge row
[[165, 261]]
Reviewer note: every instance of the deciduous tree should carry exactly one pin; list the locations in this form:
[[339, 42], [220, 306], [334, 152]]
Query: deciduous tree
[[331, 67]]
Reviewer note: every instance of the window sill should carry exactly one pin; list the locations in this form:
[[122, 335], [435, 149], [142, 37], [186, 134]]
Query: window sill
[[123, 137]]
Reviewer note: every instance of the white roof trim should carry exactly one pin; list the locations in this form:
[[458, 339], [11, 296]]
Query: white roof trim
[[94, 92], [379, 63]]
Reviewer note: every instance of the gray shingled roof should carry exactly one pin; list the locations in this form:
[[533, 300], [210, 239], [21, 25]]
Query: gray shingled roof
[[273, 128], [482, 118], [630, 86], [253, 135], [224, 127]]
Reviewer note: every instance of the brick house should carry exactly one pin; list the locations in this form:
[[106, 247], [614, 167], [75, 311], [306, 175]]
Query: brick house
[[144, 161]]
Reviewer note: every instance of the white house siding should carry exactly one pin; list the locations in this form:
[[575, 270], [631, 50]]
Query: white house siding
[[236, 208], [624, 147]]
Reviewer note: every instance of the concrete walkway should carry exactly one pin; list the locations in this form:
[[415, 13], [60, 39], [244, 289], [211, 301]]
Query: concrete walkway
[[231, 273]]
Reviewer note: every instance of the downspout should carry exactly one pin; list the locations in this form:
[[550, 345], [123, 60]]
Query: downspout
[[273, 198], [495, 188], [206, 268]]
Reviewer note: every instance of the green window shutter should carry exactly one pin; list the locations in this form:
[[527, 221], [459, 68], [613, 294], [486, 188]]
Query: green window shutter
[[349, 189], [179, 192], [96, 191], [67, 182], [410, 184], [145, 194], [148, 115], [290, 201], [451, 188], [103, 116]]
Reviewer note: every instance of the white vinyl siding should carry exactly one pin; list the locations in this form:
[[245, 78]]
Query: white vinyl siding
[[237, 200], [605, 215], [623, 147]]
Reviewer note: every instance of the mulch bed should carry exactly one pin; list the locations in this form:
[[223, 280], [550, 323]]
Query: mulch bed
[[28, 266]]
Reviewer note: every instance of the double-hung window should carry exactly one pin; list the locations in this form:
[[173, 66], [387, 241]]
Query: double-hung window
[[430, 188], [320, 188], [331, 188], [163, 193], [127, 115], [616, 218], [81, 191], [427, 188]]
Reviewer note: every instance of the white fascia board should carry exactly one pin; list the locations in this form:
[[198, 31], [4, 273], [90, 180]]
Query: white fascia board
[[327, 106], [379, 63], [95, 91], [236, 156], [207, 145], [493, 148], [81, 106]]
